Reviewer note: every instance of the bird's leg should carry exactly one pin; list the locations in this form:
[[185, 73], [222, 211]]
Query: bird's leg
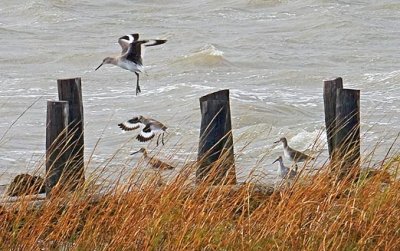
[[158, 138], [162, 139], [137, 84]]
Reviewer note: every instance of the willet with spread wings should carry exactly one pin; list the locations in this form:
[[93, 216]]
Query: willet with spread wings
[[132, 53], [149, 128]]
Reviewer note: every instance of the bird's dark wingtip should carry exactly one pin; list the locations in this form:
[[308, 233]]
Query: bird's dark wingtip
[[143, 139]]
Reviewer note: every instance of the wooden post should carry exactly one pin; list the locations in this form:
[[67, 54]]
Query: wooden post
[[56, 139], [215, 154], [70, 90], [330, 90], [347, 137]]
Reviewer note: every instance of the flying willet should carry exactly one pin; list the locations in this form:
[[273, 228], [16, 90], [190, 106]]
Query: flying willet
[[149, 128], [285, 172], [132, 53], [153, 161], [293, 154]]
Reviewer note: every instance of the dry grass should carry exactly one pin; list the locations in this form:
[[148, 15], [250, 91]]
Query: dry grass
[[313, 213]]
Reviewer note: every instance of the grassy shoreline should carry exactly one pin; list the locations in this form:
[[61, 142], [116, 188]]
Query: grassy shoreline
[[312, 213]]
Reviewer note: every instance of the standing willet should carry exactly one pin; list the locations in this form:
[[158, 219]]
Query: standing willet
[[132, 53], [149, 128], [285, 172], [153, 161], [292, 154]]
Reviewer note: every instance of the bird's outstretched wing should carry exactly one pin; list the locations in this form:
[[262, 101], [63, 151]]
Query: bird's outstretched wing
[[135, 52], [147, 133], [131, 124], [126, 40], [153, 42]]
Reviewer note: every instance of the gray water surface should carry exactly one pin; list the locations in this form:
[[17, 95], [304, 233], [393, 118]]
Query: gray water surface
[[273, 56]]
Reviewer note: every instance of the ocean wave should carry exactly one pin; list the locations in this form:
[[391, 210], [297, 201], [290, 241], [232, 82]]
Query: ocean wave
[[11, 32], [383, 77], [206, 56], [268, 3]]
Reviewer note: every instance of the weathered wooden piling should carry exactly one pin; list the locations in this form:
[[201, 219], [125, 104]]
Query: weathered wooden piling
[[70, 90], [216, 154], [347, 136], [56, 139], [330, 93]]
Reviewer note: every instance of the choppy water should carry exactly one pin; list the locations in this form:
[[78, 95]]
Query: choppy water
[[273, 55]]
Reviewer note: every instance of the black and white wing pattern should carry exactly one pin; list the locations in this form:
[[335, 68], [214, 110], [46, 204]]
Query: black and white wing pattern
[[126, 40], [146, 134], [152, 128], [154, 42], [136, 50], [149, 128], [131, 124]]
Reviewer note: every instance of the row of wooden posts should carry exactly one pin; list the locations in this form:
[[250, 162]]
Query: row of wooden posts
[[65, 137], [65, 134], [342, 121]]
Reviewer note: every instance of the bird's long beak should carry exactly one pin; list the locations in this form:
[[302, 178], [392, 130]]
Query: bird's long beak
[[135, 152], [275, 160], [99, 66], [276, 142]]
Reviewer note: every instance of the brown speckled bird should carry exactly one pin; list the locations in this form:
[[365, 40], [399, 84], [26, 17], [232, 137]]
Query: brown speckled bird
[[153, 161], [293, 154]]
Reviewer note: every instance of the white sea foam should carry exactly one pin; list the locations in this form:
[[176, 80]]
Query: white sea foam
[[208, 55]]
